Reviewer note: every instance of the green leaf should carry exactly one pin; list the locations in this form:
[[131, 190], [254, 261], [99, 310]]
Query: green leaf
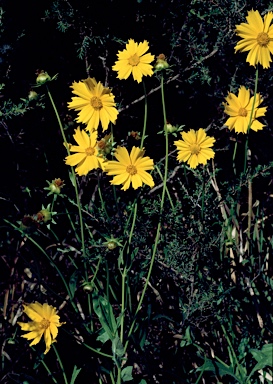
[[126, 373], [117, 347], [186, 340], [264, 357], [75, 373], [217, 368], [103, 337], [105, 314], [73, 283]]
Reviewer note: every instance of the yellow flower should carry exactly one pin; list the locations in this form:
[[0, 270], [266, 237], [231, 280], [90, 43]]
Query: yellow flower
[[239, 109], [45, 322], [132, 60], [195, 147], [95, 103], [87, 156], [130, 168], [257, 35]]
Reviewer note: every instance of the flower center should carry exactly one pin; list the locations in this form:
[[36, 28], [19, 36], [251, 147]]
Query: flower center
[[45, 324], [195, 149], [90, 151], [96, 103], [242, 112], [263, 39], [131, 169], [134, 60]]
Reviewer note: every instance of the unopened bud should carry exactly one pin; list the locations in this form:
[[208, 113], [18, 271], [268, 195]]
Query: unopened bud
[[161, 63], [32, 95], [43, 78], [44, 215], [55, 186]]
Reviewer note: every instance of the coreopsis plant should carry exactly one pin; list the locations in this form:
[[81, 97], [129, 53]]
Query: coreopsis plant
[[239, 109], [130, 168], [95, 104], [45, 321], [194, 148], [257, 38], [135, 60], [87, 155]]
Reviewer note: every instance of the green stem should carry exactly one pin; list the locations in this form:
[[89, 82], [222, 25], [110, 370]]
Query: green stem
[[49, 372], [98, 352], [234, 155], [240, 369], [124, 274], [61, 364], [203, 195], [74, 180], [101, 198], [145, 117], [167, 190], [250, 118], [160, 216]]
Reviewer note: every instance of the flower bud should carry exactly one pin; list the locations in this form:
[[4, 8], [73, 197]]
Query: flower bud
[[43, 78], [105, 145], [44, 215], [32, 95], [111, 243], [29, 224], [88, 287], [161, 63], [135, 135], [170, 128], [55, 186]]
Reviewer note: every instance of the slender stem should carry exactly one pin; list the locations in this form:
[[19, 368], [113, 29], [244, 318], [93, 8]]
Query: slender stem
[[72, 171], [166, 146], [160, 217], [112, 378], [234, 155], [101, 198], [133, 224], [49, 372], [250, 118], [145, 116], [203, 195], [249, 210], [119, 376], [97, 351], [124, 273], [167, 190], [61, 364]]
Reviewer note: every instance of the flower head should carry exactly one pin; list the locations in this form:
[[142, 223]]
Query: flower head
[[161, 62], [87, 156], [132, 60], [95, 103], [105, 145], [257, 38], [29, 224], [45, 321], [130, 168], [54, 187], [239, 109], [195, 147]]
